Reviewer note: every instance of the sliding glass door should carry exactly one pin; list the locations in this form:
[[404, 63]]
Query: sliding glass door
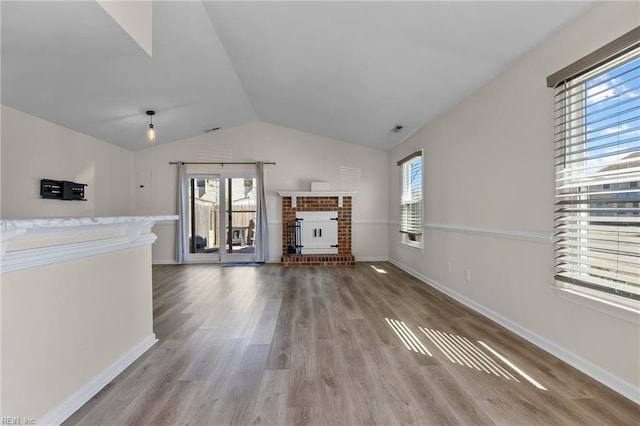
[[221, 217], [240, 214], [203, 201]]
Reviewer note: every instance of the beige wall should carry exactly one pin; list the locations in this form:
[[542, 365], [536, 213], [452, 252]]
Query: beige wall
[[300, 157], [489, 169], [58, 335], [34, 149]]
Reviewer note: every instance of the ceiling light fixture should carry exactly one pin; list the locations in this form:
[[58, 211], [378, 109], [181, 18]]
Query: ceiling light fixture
[[151, 133]]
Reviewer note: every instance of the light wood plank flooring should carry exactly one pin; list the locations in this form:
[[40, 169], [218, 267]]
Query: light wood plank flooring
[[337, 346]]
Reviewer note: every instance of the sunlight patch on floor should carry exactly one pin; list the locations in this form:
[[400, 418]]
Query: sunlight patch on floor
[[378, 270], [460, 350], [410, 340], [513, 367]]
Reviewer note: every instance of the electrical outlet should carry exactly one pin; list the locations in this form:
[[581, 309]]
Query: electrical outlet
[[467, 275], [449, 267]]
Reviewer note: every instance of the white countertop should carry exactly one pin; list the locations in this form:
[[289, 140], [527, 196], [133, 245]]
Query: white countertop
[[27, 243], [54, 222]]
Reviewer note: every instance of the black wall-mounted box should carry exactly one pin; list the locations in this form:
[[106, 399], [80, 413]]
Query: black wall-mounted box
[[62, 190]]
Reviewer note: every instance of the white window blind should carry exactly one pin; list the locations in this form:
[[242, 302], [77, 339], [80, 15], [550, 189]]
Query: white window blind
[[411, 197], [597, 154]]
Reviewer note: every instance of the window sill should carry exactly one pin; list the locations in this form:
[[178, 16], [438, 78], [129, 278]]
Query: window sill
[[414, 246], [619, 307]]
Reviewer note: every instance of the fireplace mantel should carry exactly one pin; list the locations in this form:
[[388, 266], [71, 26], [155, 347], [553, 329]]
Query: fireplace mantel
[[295, 194]]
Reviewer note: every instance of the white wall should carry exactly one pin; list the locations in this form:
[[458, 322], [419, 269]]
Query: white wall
[[300, 157], [34, 149], [66, 326], [489, 180]]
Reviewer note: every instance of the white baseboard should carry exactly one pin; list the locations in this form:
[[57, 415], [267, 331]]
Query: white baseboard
[[358, 259], [372, 259], [173, 262], [88, 391], [163, 262], [603, 376]]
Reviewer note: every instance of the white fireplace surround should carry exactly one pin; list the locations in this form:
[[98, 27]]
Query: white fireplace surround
[[318, 232]]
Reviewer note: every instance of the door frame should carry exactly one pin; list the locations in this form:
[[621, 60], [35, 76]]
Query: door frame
[[222, 255], [227, 206], [213, 257]]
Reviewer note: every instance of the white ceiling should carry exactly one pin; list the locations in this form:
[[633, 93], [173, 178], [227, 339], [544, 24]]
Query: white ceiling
[[345, 70]]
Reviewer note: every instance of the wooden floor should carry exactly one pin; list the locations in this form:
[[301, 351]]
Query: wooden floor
[[337, 346]]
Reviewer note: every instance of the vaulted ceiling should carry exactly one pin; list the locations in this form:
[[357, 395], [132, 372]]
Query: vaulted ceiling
[[345, 70]]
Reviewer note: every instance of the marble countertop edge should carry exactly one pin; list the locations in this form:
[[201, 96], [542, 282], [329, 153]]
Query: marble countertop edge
[[54, 222]]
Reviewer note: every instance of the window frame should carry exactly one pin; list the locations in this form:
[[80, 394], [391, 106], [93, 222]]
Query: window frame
[[411, 239], [577, 77]]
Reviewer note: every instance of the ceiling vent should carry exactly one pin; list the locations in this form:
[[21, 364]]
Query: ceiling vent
[[397, 128]]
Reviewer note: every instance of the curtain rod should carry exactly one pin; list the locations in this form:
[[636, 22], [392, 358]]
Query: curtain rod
[[222, 163]]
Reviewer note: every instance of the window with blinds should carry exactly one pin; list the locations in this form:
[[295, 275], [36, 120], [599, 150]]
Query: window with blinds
[[411, 199], [597, 159]]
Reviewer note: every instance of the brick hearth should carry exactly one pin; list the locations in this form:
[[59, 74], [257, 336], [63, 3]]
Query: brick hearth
[[315, 204]]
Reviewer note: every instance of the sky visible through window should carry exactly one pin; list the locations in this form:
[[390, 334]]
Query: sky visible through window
[[613, 115], [612, 140], [416, 179]]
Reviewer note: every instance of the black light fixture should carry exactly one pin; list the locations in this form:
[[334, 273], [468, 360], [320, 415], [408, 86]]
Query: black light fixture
[[151, 133]]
